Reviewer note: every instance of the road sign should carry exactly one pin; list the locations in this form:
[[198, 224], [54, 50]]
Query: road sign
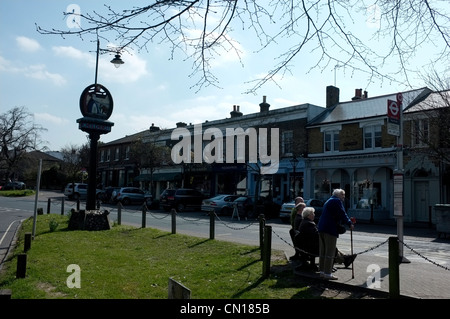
[[393, 110]]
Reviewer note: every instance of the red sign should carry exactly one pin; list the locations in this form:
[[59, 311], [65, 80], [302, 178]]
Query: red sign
[[393, 109]]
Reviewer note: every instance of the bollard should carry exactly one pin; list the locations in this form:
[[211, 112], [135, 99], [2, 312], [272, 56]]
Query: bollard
[[262, 224], [267, 251], [119, 213], [78, 204], [62, 206], [144, 217], [174, 221], [211, 224], [394, 273], [49, 201], [21, 266], [27, 244]]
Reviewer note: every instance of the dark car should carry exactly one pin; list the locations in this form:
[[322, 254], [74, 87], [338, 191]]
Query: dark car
[[14, 185], [180, 199]]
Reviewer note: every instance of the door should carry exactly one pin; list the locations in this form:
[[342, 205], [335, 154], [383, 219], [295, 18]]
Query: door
[[421, 201]]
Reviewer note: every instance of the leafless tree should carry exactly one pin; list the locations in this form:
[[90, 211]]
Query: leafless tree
[[18, 135], [324, 29], [429, 122]]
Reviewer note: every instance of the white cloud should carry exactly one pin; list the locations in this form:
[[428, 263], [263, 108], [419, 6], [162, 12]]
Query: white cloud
[[40, 72], [27, 44], [37, 71], [133, 69], [49, 118]]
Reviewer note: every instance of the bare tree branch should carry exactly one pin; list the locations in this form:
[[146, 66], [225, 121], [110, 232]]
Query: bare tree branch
[[324, 29]]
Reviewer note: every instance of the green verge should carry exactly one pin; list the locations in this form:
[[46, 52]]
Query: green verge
[[133, 263]]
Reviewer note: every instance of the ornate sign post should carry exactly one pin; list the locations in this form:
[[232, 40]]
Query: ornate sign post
[[96, 105]]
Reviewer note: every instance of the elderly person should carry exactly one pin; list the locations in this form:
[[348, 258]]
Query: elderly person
[[296, 218], [296, 212], [332, 214], [308, 239]]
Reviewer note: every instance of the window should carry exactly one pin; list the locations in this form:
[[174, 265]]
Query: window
[[127, 152], [372, 136], [331, 141], [102, 156], [287, 142], [108, 155], [117, 155], [420, 132]]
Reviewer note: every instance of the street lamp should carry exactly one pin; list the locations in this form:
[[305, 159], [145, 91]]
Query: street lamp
[[117, 61]]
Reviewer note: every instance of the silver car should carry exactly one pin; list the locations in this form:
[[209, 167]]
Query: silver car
[[133, 195], [221, 204]]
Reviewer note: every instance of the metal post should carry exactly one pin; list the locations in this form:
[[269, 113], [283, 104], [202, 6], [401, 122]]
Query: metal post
[[174, 221], [21, 266], [27, 244], [119, 213], [211, 224], [49, 201], [62, 205], [92, 172], [394, 272], [262, 224], [38, 182], [267, 251], [144, 217]]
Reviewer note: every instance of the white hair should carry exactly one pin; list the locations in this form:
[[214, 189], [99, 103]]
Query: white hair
[[307, 211], [338, 191]]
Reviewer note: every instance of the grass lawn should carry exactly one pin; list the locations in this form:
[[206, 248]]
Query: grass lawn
[[135, 263]]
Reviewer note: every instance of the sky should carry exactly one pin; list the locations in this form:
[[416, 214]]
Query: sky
[[47, 74]]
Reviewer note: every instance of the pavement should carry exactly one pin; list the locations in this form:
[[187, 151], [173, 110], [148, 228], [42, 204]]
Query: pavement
[[422, 275]]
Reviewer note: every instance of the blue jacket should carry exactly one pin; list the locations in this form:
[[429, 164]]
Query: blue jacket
[[333, 213]]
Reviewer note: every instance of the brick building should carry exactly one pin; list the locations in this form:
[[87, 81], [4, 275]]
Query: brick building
[[350, 148]]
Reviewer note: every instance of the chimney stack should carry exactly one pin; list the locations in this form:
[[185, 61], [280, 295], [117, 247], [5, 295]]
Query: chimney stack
[[264, 106], [332, 96], [359, 95], [153, 128], [235, 112]]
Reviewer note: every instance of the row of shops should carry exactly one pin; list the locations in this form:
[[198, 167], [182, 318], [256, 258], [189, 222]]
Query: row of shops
[[365, 173]]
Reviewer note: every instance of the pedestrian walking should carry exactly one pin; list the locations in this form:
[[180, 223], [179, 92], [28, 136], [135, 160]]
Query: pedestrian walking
[[333, 215]]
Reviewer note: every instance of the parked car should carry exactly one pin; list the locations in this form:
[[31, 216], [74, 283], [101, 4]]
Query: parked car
[[108, 194], [318, 207], [285, 211], [180, 199], [245, 206], [14, 185], [133, 195], [78, 191], [286, 208], [222, 204]]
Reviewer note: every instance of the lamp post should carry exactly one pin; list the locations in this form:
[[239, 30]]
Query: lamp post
[[96, 105]]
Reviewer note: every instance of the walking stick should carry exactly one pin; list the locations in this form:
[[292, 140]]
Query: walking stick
[[353, 219]]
